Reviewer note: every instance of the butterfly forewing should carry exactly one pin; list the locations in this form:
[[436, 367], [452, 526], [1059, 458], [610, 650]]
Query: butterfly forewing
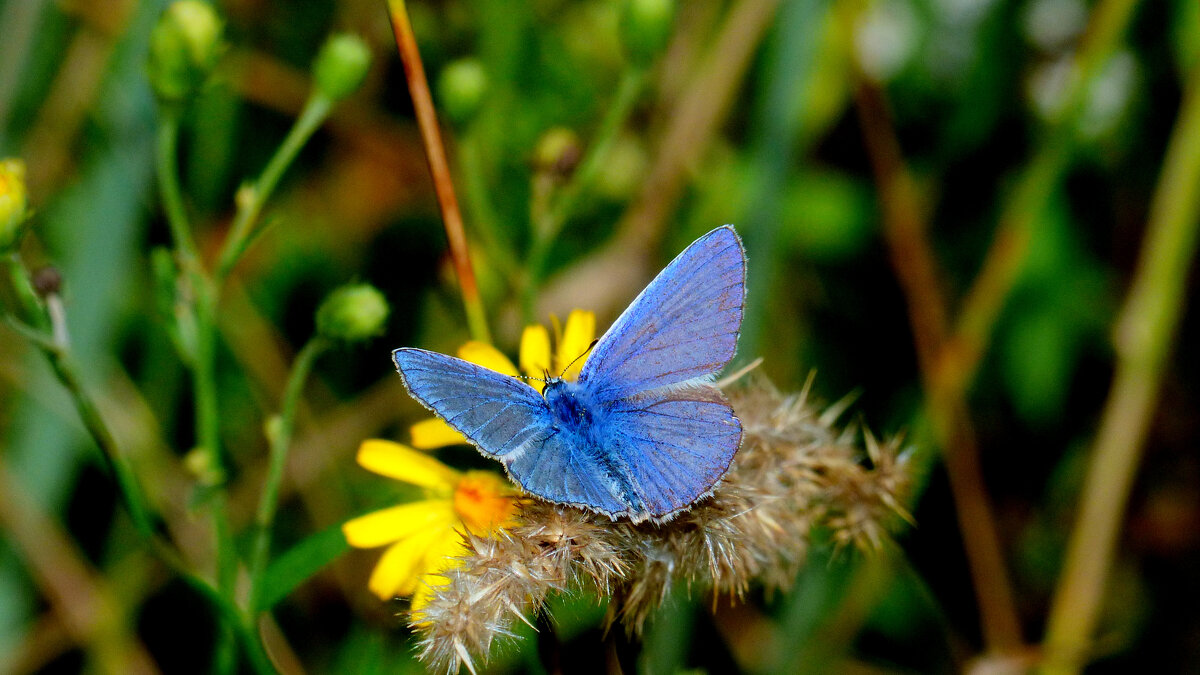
[[683, 326], [499, 414]]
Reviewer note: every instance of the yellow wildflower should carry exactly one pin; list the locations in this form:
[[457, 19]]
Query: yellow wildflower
[[536, 361], [424, 537]]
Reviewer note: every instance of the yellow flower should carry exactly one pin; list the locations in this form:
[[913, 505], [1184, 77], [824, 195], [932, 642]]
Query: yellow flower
[[536, 359], [424, 537]]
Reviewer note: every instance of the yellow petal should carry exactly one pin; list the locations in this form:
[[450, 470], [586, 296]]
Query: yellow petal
[[402, 564], [442, 557], [483, 354], [403, 463], [535, 352], [434, 433], [398, 522], [576, 338]]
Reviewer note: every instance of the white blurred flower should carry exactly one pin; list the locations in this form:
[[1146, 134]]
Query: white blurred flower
[[886, 38], [961, 13], [1109, 95], [1051, 25], [1047, 84]]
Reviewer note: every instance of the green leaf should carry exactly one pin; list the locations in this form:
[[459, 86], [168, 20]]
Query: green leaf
[[300, 562]]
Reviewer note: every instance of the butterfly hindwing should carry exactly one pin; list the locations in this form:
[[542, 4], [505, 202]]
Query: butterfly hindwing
[[566, 471], [499, 414], [676, 444], [684, 325]]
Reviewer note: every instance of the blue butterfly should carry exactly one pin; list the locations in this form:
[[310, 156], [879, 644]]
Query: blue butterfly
[[643, 433]]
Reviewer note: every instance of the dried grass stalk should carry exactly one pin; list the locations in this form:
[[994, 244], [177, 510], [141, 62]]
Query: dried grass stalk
[[793, 472]]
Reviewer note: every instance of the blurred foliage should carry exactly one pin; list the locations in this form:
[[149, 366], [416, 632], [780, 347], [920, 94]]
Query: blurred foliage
[[974, 90]]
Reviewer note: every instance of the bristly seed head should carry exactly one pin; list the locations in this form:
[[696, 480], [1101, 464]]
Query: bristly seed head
[[792, 473]]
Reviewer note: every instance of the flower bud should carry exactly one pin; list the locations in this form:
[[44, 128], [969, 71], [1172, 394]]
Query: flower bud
[[14, 211], [202, 464], [47, 281], [558, 151], [341, 66], [461, 87], [352, 313], [645, 27], [184, 48]]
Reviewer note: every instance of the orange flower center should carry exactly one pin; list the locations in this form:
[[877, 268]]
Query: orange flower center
[[483, 501]]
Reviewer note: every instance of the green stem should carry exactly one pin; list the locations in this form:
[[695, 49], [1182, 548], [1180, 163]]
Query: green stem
[[985, 299], [225, 658], [208, 438], [1144, 335], [251, 198], [167, 165], [281, 437], [127, 485], [203, 376], [547, 228], [32, 310], [483, 213]]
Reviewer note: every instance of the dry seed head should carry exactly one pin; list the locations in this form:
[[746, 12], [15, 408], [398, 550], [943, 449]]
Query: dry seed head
[[793, 472]]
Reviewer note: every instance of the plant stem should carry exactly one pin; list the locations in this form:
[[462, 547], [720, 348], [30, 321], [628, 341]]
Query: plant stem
[[1144, 335], [32, 310], [547, 228], [127, 485], [85, 604], [251, 198], [166, 164], [281, 438], [1002, 263], [435, 154], [483, 213], [905, 231], [204, 385]]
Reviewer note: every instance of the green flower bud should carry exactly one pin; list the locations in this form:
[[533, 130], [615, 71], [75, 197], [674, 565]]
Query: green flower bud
[[461, 87], [14, 209], [558, 151], [184, 48], [204, 467], [351, 313], [645, 27], [341, 66]]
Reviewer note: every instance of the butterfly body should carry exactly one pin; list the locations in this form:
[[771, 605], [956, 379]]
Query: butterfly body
[[571, 407], [643, 433]]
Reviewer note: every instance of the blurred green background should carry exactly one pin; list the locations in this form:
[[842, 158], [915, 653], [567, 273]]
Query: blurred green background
[[774, 116]]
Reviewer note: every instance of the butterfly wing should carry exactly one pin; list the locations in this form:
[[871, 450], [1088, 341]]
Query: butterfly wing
[[564, 470], [683, 326], [675, 445], [498, 414]]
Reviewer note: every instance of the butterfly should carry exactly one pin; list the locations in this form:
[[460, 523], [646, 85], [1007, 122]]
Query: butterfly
[[643, 433]]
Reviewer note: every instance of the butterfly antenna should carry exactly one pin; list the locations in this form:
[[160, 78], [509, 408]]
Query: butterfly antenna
[[585, 353]]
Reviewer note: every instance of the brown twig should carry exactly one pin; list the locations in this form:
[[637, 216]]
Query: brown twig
[[77, 594], [435, 152], [906, 232]]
